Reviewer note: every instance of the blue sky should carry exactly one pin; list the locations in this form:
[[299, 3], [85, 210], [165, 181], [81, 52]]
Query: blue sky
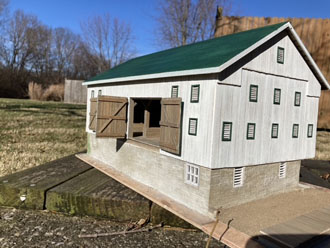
[[139, 13]]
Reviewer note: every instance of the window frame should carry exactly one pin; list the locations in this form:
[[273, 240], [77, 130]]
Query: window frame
[[92, 93], [175, 87], [274, 100], [191, 93], [295, 98], [99, 93], [308, 127], [193, 119], [293, 126], [278, 53], [254, 131], [190, 176], [272, 134], [257, 91], [223, 130]]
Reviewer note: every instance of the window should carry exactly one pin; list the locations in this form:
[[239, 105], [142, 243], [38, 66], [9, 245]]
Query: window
[[297, 98], [226, 131], [250, 133], [280, 55], [100, 93], [192, 174], [274, 130], [253, 93], [282, 171], [92, 94], [310, 131], [238, 177], [194, 93], [175, 91], [277, 96], [192, 126], [295, 130]]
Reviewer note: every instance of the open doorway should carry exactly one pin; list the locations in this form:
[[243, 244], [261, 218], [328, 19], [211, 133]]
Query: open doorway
[[145, 114]]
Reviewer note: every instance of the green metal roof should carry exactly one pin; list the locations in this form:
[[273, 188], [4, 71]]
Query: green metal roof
[[204, 54]]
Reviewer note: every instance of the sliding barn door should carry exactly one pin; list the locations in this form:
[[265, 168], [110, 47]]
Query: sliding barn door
[[170, 125], [111, 118]]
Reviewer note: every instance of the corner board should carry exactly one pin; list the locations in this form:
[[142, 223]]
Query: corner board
[[224, 233]]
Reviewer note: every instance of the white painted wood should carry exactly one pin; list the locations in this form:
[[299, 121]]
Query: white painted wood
[[232, 104], [194, 149]]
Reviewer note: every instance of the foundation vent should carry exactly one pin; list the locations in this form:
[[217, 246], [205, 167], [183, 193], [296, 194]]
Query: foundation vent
[[238, 177], [192, 174], [282, 170]]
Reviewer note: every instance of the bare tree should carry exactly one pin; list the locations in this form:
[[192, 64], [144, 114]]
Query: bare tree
[[182, 22], [65, 43], [16, 48], [107, 41]]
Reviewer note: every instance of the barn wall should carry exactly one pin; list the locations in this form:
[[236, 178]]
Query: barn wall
[[259, 182], [232, 104], [74, 91], [153, 169], [194, 149], [314, 33]]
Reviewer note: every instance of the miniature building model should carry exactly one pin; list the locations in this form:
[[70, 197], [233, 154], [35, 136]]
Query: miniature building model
[[212, 124]]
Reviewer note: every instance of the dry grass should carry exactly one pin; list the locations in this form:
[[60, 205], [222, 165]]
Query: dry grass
[[323, 145], [54, 92], [34, 132]]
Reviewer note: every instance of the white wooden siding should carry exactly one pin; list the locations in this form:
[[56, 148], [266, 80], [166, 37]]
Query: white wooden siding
[[232, 104], [194, 149], [294, 66]]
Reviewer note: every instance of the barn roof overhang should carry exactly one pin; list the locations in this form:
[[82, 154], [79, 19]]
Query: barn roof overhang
[[217, 69]]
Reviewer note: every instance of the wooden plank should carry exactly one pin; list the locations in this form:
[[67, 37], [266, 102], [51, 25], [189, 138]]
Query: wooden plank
[[228, 235], [300, 229], [170, 125], [33, 183], [111, 127]]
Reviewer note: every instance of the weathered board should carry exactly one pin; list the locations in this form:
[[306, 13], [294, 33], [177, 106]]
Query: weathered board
[[170, 125], [26, 189], [96, 194]]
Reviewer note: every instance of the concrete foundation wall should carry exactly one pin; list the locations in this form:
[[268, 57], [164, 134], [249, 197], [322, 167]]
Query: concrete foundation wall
[[146, 165], [259, 181]]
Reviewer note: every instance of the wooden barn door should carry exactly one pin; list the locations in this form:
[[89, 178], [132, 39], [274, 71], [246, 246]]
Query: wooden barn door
[[111, 120], [92, 114], [170, 125]]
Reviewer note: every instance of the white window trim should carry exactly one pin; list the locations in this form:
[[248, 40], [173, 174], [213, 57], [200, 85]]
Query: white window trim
[[192, 174]]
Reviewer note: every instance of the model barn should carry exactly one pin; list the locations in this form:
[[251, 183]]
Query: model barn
[[212, 124]]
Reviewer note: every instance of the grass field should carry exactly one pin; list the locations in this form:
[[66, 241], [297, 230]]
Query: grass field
[[34, 132], [323, 145]]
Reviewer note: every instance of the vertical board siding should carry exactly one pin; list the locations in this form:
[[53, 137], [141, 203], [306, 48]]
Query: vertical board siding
[[294, 66], [74, 91], [233, 105], [263, 149], [194, 149], [315, 34]]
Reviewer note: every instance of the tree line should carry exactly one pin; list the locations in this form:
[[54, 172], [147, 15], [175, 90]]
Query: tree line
[[33, 51]]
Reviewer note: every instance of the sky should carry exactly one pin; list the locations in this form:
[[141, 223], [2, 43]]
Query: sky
[[140, 13]]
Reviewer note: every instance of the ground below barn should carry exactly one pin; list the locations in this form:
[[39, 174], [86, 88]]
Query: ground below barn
[[22, 228]]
